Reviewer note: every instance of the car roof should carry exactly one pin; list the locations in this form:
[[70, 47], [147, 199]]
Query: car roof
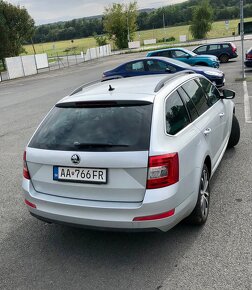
[[142, 88], [171, 48], [213, 43]]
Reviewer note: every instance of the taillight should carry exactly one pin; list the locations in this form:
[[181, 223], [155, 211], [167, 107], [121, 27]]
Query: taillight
[[249, 56], [163, 170], [26, 173], [234, 49]]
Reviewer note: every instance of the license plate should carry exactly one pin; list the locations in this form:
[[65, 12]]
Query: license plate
[[74, 174]]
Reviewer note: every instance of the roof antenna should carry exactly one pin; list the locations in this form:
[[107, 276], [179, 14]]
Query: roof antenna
[[110, 88]]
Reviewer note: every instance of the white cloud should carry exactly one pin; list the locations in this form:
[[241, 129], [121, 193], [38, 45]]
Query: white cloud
[[47, 11]]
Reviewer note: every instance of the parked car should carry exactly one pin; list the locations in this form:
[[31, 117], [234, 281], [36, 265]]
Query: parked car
[[248, 60], [223, 50], [163, 65], [186, 56], [133, 153]]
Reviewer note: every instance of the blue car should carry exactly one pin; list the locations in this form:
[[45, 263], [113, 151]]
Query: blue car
[[162, 65], [187, 56]]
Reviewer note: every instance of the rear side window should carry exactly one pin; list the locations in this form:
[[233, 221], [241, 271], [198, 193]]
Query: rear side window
[[197, 95], [137, 66], [96, 127], [176, 114], [225, 45], [213, 47]]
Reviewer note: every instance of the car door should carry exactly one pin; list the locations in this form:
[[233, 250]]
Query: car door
[[154, 66], [214, 99], [213, 49], [209, 121]]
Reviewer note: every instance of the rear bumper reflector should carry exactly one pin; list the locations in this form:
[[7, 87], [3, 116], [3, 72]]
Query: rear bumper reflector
[[30, 204], [155, 216]]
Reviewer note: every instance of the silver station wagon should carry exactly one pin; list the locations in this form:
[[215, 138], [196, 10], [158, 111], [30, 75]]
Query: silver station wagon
[[130, 154]]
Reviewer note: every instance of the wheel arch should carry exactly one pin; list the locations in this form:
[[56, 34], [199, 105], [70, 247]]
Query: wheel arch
[[208, 164]]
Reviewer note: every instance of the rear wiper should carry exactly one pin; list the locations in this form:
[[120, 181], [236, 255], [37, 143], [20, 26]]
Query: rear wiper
[[92, 145]]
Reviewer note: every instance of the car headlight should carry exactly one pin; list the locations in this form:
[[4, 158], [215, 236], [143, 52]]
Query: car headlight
[[214, 73]]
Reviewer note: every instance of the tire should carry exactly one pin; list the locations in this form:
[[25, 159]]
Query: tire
[[224, 58], [235, 133], [201, 210]]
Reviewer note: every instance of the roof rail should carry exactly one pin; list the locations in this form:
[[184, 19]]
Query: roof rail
[[79, 89], [169, 77], [111, 78]]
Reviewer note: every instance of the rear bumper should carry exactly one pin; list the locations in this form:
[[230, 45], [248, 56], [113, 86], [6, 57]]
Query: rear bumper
[[248, 63], [109, 215]]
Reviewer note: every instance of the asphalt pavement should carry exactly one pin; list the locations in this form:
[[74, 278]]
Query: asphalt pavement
[[36, 255]]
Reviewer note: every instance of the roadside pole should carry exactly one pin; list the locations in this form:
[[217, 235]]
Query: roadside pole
[[242, 36]]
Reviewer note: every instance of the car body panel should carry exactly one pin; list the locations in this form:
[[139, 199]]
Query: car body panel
[[186, 56], [217, 49], [125, 196], [213, 74]]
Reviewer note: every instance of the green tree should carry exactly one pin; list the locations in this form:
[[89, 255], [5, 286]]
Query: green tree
[[100, 39], [202, 20], [120, 23], [16, 27]]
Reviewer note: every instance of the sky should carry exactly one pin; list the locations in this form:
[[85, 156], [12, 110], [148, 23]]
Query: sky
[[48, 11]]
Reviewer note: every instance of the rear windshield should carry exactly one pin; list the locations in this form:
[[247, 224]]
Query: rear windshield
[[106, 126]]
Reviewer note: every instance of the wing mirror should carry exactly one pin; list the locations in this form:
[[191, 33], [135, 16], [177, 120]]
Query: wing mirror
[[227, 94]]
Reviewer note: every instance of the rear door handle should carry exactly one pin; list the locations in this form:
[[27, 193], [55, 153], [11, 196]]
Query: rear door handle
[[207, 131], [222, 115]]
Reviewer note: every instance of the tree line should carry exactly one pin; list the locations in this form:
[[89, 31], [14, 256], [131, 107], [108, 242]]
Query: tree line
[[173, 15]]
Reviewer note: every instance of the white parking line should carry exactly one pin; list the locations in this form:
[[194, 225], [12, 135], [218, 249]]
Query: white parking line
[[247, 111]]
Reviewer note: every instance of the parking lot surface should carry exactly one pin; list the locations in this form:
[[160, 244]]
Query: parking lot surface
[[36, 255]]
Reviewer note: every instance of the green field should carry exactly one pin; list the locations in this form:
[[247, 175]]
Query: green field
[[61, 47]]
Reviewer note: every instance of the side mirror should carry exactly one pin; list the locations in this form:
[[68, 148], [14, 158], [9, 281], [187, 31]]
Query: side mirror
[[167, 70], [228, 94], [188, 56]]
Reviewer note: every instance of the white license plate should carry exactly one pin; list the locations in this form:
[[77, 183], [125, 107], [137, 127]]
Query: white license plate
[[74, 174]]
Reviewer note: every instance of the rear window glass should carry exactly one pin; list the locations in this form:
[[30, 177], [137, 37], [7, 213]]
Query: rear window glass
[[96, 127]]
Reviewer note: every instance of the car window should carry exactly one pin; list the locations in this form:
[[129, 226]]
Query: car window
[[166, 53], [179, 54], [155, 66], [159, 66], [210, 90], [137, 66], [201, 49], [196, 93], [106, 126], [189, 104], [225, 45], [176, 114], [213, 47]]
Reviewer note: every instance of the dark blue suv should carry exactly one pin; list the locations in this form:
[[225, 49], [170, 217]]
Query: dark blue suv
[[223, 50]]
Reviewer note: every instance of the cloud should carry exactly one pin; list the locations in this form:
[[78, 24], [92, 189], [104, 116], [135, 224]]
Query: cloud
[[48, 11]]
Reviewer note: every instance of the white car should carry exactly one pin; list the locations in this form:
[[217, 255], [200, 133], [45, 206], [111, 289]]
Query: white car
[[130, 154]]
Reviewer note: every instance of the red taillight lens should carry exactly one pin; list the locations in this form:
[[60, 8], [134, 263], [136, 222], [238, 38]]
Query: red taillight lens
[[249, 56], [163, 170], [30, 204], [26, 173], [155, 216], [234, 49]]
